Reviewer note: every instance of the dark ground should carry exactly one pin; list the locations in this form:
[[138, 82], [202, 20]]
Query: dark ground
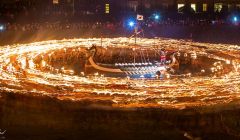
[[27, 117]]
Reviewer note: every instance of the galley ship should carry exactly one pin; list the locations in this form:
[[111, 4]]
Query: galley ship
[[132, 61]]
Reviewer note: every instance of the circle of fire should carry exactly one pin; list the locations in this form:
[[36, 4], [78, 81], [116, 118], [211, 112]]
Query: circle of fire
[[21, 73]]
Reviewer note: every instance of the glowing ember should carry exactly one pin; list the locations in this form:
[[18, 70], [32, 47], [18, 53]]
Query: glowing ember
[[26, 69]]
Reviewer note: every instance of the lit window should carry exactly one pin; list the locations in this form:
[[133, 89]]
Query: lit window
[[218, 7], [193, 6], [180, 6], [107, 8], [204, 7], [55, 1]]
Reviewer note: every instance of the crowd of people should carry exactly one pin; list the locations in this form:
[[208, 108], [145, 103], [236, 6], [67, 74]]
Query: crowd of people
[[37, 15], [55, 26], [29, 21], [105, 25]]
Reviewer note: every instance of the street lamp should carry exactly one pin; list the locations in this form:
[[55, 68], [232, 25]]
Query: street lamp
[[131, 23]]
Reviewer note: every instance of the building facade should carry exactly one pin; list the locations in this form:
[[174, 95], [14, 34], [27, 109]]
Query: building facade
[[210, 5], [116, 9]]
